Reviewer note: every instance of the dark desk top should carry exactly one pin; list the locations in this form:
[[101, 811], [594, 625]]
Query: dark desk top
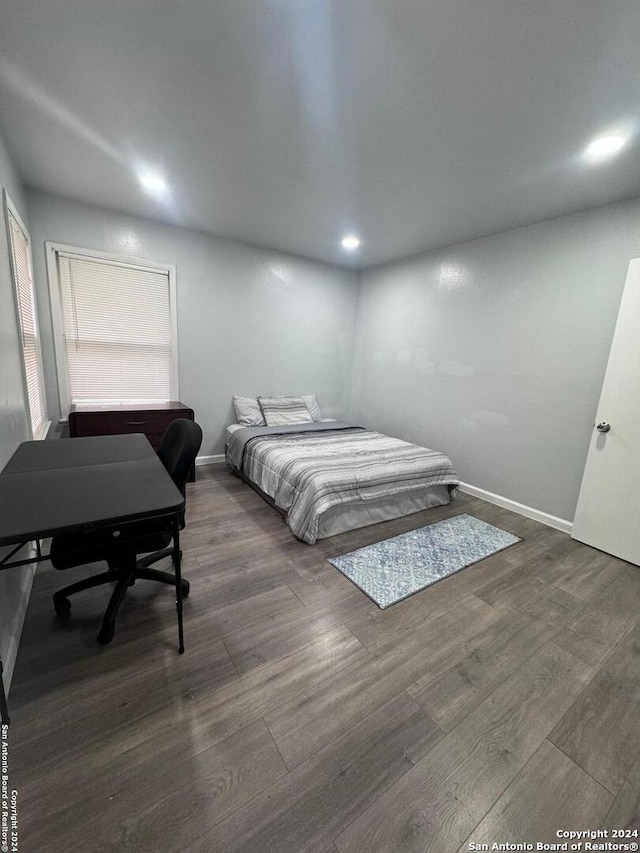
[[74, 452], [68, 485]]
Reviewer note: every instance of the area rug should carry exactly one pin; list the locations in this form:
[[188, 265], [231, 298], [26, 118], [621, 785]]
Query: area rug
[[396, 568]]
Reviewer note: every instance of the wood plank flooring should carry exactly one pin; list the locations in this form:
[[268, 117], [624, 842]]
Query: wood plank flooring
[[500, 705]]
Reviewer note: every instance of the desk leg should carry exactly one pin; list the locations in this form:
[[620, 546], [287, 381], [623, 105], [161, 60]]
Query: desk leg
[[3, 700], [177, 564]]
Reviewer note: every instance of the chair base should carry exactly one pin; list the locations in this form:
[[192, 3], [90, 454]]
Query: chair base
[[123, 577]]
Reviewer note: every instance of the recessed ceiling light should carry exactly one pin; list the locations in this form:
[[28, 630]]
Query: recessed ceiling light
[[350, 242], [152, 182], [604, 147]]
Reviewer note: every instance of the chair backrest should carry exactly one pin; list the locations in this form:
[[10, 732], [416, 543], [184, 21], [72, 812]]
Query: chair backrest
[[178, 449]]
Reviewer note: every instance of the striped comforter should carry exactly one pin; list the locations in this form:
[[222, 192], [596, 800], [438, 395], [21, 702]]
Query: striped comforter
[[306, 473]]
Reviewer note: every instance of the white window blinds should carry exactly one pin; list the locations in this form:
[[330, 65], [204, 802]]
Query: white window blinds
[[117, 330], [28, 320]]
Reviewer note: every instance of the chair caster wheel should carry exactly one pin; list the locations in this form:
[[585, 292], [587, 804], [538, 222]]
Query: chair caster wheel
[[105, 635], [186, 587], [61, 605]]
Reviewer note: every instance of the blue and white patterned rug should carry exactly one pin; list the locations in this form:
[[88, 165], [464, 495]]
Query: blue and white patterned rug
[[395, 568]]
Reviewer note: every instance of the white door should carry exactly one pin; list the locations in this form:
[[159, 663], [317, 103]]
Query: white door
[[608, 512]]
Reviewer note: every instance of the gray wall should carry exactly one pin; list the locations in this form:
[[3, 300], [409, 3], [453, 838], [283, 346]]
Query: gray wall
[[250, 320], [494, 350], [15, 583]]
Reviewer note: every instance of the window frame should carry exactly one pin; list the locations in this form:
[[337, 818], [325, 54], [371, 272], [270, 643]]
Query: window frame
[[11, 212], [51, 252]]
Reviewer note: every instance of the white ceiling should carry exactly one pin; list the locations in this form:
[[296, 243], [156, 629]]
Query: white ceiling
[[287, 123]]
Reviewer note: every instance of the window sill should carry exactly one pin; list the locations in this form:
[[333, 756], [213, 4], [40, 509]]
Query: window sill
[[42, 432]]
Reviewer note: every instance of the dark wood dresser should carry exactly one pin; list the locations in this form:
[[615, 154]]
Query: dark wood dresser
[[151, 419]]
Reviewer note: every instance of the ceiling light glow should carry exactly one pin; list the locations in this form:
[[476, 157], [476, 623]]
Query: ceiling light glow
[[604, 147], [350, 242], [152, 182]]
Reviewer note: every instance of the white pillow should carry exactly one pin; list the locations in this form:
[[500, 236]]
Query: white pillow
[[312, 405], [248, 412], [284, 411]]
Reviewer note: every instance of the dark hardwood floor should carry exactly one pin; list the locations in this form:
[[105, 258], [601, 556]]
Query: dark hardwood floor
[[500, 705]]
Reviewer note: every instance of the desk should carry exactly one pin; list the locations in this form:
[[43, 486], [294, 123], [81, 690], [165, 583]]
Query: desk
[[70, 485]]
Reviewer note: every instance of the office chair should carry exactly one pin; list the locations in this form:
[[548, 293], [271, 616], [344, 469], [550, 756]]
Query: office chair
[[120, 549]]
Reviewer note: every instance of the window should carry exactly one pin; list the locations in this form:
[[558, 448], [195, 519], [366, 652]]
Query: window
[[115, 335], [22, 274]]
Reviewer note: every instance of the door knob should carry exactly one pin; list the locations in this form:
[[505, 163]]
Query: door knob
[[603, 426]]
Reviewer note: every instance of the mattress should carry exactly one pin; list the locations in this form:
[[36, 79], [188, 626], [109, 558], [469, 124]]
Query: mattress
[[330, 477], [233, 427]]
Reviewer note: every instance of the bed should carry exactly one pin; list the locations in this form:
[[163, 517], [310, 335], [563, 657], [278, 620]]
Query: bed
[[328, 476]]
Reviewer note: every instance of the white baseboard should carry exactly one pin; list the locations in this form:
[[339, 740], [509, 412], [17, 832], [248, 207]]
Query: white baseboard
[[216, 459], [16, 591], [528, 511], [12, 652]]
